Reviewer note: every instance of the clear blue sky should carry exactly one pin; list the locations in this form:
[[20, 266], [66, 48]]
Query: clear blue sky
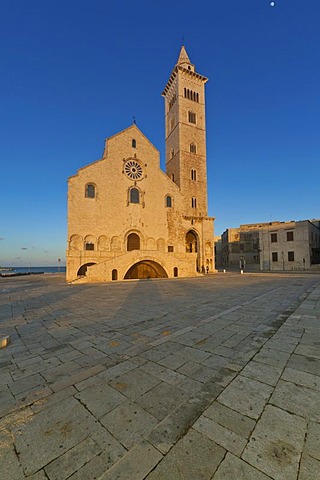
[[75, 72]]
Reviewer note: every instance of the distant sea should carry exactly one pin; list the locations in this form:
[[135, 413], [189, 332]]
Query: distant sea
[[33, 269]]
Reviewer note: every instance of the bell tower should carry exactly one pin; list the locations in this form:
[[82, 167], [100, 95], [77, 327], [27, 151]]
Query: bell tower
[[186, 134]]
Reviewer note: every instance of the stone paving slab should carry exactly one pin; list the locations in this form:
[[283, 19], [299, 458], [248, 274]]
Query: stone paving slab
[[276, 444], [216, 377]]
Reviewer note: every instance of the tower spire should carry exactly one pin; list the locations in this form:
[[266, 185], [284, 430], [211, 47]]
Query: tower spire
[[183, 57]]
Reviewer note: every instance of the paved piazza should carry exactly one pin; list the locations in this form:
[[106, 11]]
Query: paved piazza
[[208, 378]]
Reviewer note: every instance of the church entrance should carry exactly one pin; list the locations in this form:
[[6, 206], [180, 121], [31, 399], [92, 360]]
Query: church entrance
[[192, 246], [191, 242], [145, 269]]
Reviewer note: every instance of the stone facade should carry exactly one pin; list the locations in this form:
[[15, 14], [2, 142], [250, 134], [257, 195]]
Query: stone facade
[[273, 246], [126, 217]]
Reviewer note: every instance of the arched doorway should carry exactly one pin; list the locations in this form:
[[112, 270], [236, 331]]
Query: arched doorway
[[83, 269], [146, 269], [193, 246], [133, 242], [192, 242]]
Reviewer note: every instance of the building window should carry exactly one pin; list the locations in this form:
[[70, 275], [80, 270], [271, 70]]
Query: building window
[[175, 271], [133, 242], [170, 248], [274, 237], [90, 191], [172, 177], [172, 152], [289, 236], [134, 143], [193, 175], [192, 117], [168, 201], [193, 148], [274, 256], [89, 246], [134, 195], [194, 202], [190, 94], [114, 274], [290, 256]]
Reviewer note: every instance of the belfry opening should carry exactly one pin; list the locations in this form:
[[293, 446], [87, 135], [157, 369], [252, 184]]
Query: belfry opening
[[145, 269]]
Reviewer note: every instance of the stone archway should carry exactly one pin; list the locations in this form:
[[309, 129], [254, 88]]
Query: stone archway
[[145, 269], [83, 269], [192, 243]]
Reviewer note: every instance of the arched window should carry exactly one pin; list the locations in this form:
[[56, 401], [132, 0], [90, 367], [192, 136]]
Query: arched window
[[193, 148], [90, 191], [114, 274], [168, 201], [175, 271], [194, 202], [193, 174], [133, 242], [134, 195], [192, 117], [89, 246], [134, 143]]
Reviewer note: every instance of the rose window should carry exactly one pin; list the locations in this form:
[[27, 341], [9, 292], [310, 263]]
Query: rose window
[[133, 170]]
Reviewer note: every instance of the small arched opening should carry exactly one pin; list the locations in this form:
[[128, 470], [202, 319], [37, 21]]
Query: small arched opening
[[83, 269], [133, 242], [114, 274], [175, 271], [134, 195]]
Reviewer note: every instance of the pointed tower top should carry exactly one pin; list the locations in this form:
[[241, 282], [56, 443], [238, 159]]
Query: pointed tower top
[[183, 56], [184, 60]]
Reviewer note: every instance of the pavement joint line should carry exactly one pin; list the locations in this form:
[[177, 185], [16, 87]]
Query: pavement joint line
[[207, 320]]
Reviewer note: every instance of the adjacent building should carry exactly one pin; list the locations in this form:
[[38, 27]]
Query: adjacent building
[[127, 218], [272, 246]]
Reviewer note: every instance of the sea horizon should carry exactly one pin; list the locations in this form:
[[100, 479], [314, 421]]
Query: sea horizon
[[31, 269]]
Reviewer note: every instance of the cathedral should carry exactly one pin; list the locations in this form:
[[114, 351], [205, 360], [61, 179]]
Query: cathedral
[[127, 219]]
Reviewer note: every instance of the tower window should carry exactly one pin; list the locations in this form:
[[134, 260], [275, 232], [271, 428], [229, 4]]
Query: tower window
[[172, 152], [134, 143], [89, 246], [192, 117], [194, 202], [172, 177], [193, 174], [90, 191], [168, 201], [191, 95], [134, 195], [193, 148]]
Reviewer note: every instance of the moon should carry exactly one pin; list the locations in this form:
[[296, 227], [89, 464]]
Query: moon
[[272, 4]]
